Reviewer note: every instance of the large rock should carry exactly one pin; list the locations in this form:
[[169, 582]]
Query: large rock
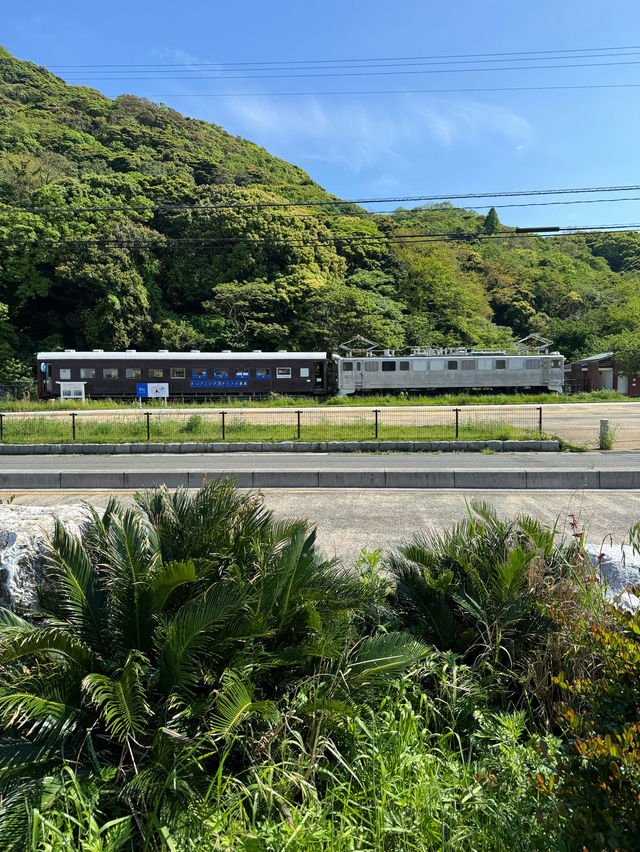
[[24, 535], [619, 566]]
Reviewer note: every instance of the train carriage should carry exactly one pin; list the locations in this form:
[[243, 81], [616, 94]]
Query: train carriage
[[447, 370], [189, 375]]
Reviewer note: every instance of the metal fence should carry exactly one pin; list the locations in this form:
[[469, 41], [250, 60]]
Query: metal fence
[[408, 423]]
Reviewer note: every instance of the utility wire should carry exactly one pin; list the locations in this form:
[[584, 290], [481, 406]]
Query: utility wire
[[331, 203], [361, 59], [471, 90], [379, 73]]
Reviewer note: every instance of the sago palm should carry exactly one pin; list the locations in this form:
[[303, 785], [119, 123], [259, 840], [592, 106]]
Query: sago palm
[[161, 633]]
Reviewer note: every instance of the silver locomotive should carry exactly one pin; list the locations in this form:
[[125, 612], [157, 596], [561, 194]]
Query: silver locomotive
[[363, 369]]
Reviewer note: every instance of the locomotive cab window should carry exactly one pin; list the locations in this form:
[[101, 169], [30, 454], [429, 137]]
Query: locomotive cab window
[[501, 364], [283, 372], [452, 365], [110, 373], [556, 363], [388, 366], [220, 373], [242, 372], [404, 365], [133, 373], [177, 372], [199, 373], [304, 372], [347, 366], [156, 373], [87, 373], [65, 374], [262, 372]]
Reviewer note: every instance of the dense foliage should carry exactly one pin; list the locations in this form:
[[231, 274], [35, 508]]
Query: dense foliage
[[220, 276], [199, 677]]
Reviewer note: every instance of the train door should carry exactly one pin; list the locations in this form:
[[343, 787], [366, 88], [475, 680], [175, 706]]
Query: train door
[[545, 371], [358, 375]]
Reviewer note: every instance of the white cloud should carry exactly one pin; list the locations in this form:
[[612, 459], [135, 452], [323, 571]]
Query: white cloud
[[359, 135]]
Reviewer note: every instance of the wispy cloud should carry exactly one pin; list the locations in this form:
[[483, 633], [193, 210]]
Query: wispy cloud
[[359, 136]]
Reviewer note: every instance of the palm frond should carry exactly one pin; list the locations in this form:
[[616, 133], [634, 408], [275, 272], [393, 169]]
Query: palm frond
[[132, 559], [379, 658], [192, 634], [121, 700], [235, 705], [79, 597], [21, 640], [168, 577]]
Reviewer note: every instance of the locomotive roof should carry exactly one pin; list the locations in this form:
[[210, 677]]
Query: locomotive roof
[[133, 355]]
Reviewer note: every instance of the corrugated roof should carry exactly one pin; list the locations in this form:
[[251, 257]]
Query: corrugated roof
[[601, 357]]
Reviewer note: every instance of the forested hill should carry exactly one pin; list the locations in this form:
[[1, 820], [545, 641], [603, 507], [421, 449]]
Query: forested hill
[[101, 255]]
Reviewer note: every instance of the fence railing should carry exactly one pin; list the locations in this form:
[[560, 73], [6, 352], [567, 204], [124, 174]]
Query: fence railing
[[346, 424]]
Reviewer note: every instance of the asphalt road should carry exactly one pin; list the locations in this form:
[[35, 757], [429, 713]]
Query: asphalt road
[[167, 462], [349, 520]]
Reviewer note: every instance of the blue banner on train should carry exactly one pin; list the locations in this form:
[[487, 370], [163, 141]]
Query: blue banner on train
[[223, 383]]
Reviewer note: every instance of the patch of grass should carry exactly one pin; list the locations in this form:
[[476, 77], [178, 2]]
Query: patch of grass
[[278, 401]]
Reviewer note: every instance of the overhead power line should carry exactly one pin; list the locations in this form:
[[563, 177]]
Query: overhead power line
[[378, 73], [327, 203], [510, 53], [470, 90]]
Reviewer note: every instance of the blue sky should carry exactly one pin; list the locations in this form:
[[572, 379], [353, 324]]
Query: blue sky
[[362, 146]]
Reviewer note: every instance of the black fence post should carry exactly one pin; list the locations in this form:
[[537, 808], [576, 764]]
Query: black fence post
[[376, 412], [73, 424], [540, 420], [457, 422], [1, 426], [223, 431], [147, 414], [298, 413]]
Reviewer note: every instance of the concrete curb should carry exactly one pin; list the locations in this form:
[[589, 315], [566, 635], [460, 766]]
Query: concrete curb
[[284, 447], [518, 479]]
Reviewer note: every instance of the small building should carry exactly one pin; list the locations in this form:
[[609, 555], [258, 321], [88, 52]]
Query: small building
[[599, 372]]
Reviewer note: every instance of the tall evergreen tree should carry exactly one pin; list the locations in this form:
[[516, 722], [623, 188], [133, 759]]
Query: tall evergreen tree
[[491, 223]]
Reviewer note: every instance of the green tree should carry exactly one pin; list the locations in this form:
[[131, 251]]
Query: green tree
[[491, 223]]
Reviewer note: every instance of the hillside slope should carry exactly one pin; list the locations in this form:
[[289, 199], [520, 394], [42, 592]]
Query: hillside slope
[[95, 250]]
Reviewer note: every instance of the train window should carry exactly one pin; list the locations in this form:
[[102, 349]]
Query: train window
[[87, 373], [199, 373], [404, 365], [220, 373], [468, 365], [532, 363], [347, 366], [556, 362], [156, 373], [262, 372], [242, 372], [65, 373], [452, 365], [133, 373], [283, 372], [177, 372], [304, 372], [501, 364], [388, 366], [371, 366], [110, 373]]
